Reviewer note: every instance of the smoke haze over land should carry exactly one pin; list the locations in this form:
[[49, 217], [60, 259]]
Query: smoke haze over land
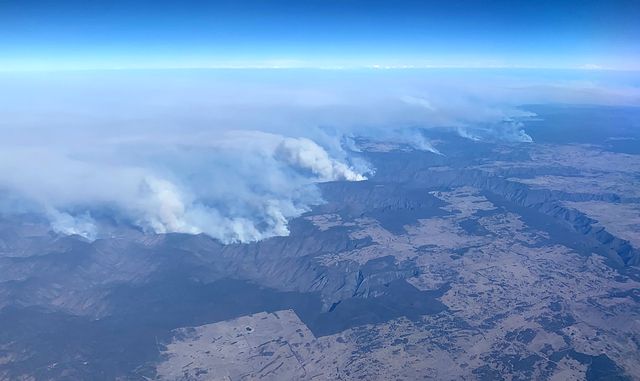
[[235, 156]]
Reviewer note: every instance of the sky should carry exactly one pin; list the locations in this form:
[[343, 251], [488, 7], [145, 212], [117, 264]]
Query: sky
[[53, 35]]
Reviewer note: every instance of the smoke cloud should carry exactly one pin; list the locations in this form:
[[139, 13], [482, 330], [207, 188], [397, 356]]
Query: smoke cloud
[[304, 153], [235, 154]]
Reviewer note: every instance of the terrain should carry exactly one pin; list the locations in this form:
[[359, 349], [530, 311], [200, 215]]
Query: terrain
[[492, 260]]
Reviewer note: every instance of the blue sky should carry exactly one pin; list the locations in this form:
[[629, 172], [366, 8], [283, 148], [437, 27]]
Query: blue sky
[[312, 33]]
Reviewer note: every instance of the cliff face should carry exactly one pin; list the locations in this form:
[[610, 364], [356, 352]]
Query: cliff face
[[424, 173]]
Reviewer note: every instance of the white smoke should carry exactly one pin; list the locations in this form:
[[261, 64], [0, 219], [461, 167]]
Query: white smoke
[[306, 154], [165, 209], [506, 130], [420, 102], [238, 186], [64, 223], [485, 123], [235, 154]]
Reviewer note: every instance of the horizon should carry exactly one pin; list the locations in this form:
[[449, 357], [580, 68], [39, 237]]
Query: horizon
[[72, 35]]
